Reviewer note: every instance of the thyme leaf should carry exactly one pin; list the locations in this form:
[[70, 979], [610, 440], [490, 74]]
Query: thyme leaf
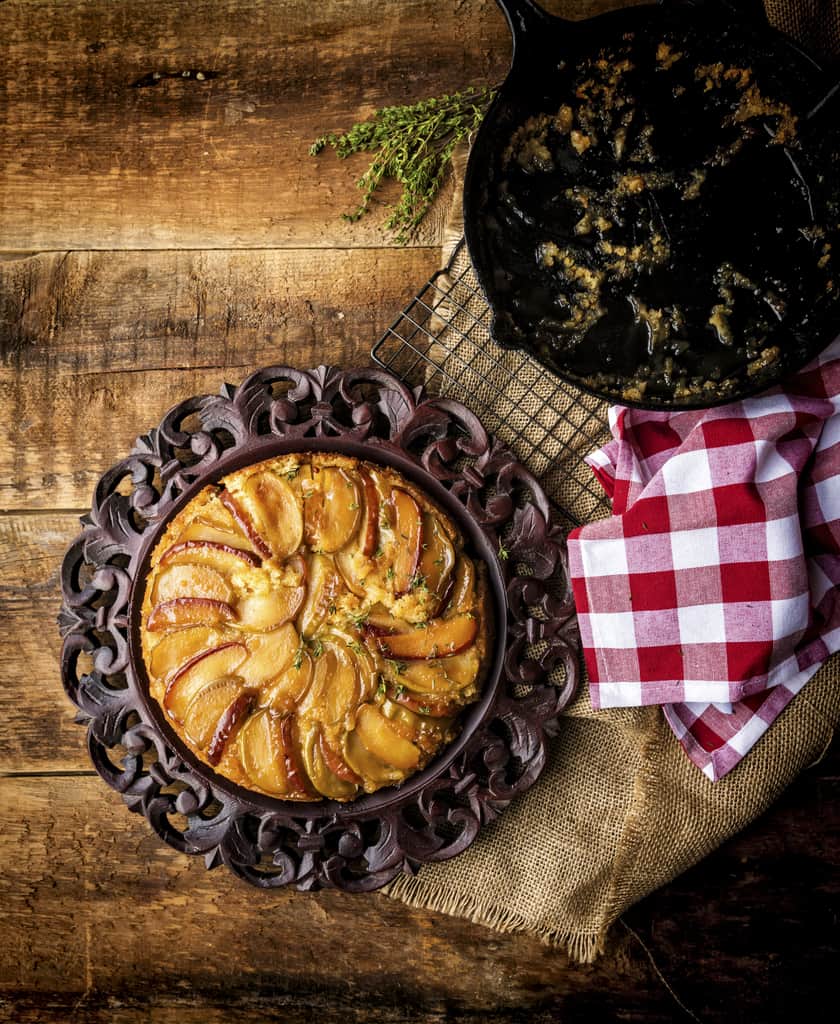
[[412, 144]]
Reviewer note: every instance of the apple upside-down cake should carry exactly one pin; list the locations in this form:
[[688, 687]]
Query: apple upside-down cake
[[312, 626]]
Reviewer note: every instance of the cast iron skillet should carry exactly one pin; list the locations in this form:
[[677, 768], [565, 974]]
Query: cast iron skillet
[[788, 188]]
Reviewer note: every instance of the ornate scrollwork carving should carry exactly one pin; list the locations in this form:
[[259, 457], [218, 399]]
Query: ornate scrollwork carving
[[363, 845]]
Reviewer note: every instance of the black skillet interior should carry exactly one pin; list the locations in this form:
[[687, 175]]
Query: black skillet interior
[[750, 215]]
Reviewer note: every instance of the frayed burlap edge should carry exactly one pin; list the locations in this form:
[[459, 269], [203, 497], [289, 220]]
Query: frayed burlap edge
[[413, 891]]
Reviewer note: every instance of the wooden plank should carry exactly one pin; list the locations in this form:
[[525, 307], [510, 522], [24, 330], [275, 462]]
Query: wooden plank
[[93, 160], [37, 732], [95, 347], [94, 904], [97, 911]]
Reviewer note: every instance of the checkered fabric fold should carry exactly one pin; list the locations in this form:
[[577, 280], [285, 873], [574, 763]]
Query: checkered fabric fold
[[713, 587]]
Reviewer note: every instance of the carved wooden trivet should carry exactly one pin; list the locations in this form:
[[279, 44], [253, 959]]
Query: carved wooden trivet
[[506, 519]]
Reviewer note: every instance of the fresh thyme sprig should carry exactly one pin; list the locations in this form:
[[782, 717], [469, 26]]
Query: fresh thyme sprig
[[412, 144]]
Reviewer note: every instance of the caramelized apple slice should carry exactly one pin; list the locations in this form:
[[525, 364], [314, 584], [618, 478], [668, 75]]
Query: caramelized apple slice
[[324, 586], [383, 741], [336, 764], [295, 775], [325, 781], [276, 512], [198, 672], [354, 569], [189, 611], [191, 581], [179, 647], [239, 516], [269, 654], [462, 594], [437, 557], [439, 639], [446, 675], [366, 665], [423, 730], [292, 684], [406, 723], [380, 622], [260, 748], [335, 689], [260, 613], [215, 514], [422, 705], [333, 511], [221, 557], [370, 524], [408, 530], [366, 765], [199, 530], [228, 725], [206, 708]]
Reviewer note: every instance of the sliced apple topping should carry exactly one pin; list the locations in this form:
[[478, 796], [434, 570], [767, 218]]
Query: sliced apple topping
[[241, 518], [178, 647], [354, 569], [367, 765], [293, 682], [446, 675], [221, 557], [215, 514], [422, 705], [295, 774], [335, 688], [408, 531], [207, 707], [191, 581], [336, 764], [332, 512], [189, 611], [325, 781], [260, 613], [200, 531], [261, 753], [440, 638], [229, 724], [379, 621], [437, 559], [462, 593], [324, 587], [198, 672], [370, 524], [383, 741], [269, 654], [277, 515], [313, 629]]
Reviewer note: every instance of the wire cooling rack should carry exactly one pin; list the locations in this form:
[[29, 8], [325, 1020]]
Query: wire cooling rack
[[442, 340]]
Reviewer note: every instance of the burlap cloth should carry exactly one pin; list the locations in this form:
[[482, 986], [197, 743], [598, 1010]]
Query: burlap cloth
[[619, 810]]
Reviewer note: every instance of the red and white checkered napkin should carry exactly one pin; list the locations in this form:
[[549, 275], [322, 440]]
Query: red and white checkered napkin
[[713, 587]]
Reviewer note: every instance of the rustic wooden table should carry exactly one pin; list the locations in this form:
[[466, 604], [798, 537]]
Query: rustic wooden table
[[156, 240]]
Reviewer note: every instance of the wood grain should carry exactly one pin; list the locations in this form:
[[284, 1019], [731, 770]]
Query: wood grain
[[117, 905], [36, 719], [95, 347], [92, 901], [92, 160], [252, 264]]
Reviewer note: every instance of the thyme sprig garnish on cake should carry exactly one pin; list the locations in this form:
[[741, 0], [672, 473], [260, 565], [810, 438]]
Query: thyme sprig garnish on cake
[[413, 145]]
